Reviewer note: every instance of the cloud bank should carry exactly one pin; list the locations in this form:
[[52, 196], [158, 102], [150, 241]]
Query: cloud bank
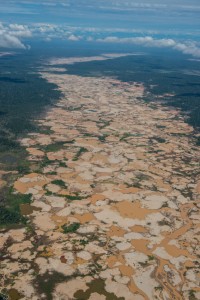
[[11, 36], [14, 35], [148, 41]]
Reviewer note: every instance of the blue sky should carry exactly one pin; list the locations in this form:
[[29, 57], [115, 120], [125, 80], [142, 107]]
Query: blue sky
[[159, 23]]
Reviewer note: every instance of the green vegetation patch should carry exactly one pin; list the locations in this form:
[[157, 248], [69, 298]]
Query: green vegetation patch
[[14, 294], [7, 142], [96, 286], [54, 147], [192, 295], [159, 139], [151, 257], [59, 182], [153, 106], [141, 176], [52, 173], [44, 130], [47, 162], [125, 136], [87, 134], [70, 142], [73, 108], [71, 228], [48, 193], [103, 137], [198, 141], [103, 123], [4, 296], [47, 282], [10, 214], [164, 223], [62, 164], [75, 197], [23, 167], [79, 153], [15, 159], [128, 134], [160, 126]]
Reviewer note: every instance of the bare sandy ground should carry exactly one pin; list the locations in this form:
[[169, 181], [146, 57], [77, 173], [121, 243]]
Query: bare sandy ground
[[115, 206], [72, 60]]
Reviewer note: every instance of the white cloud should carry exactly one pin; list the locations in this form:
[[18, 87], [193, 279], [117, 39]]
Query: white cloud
[[11, 35], [74, 38], [44, 28], [9, 41], [189, 48], [148, 41], [90, 39], [17, 27]]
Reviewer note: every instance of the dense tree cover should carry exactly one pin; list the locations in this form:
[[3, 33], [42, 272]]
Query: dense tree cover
[[10, 208]]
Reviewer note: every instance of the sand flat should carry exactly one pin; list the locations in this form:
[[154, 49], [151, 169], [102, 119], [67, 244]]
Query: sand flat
[[114, 200]]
